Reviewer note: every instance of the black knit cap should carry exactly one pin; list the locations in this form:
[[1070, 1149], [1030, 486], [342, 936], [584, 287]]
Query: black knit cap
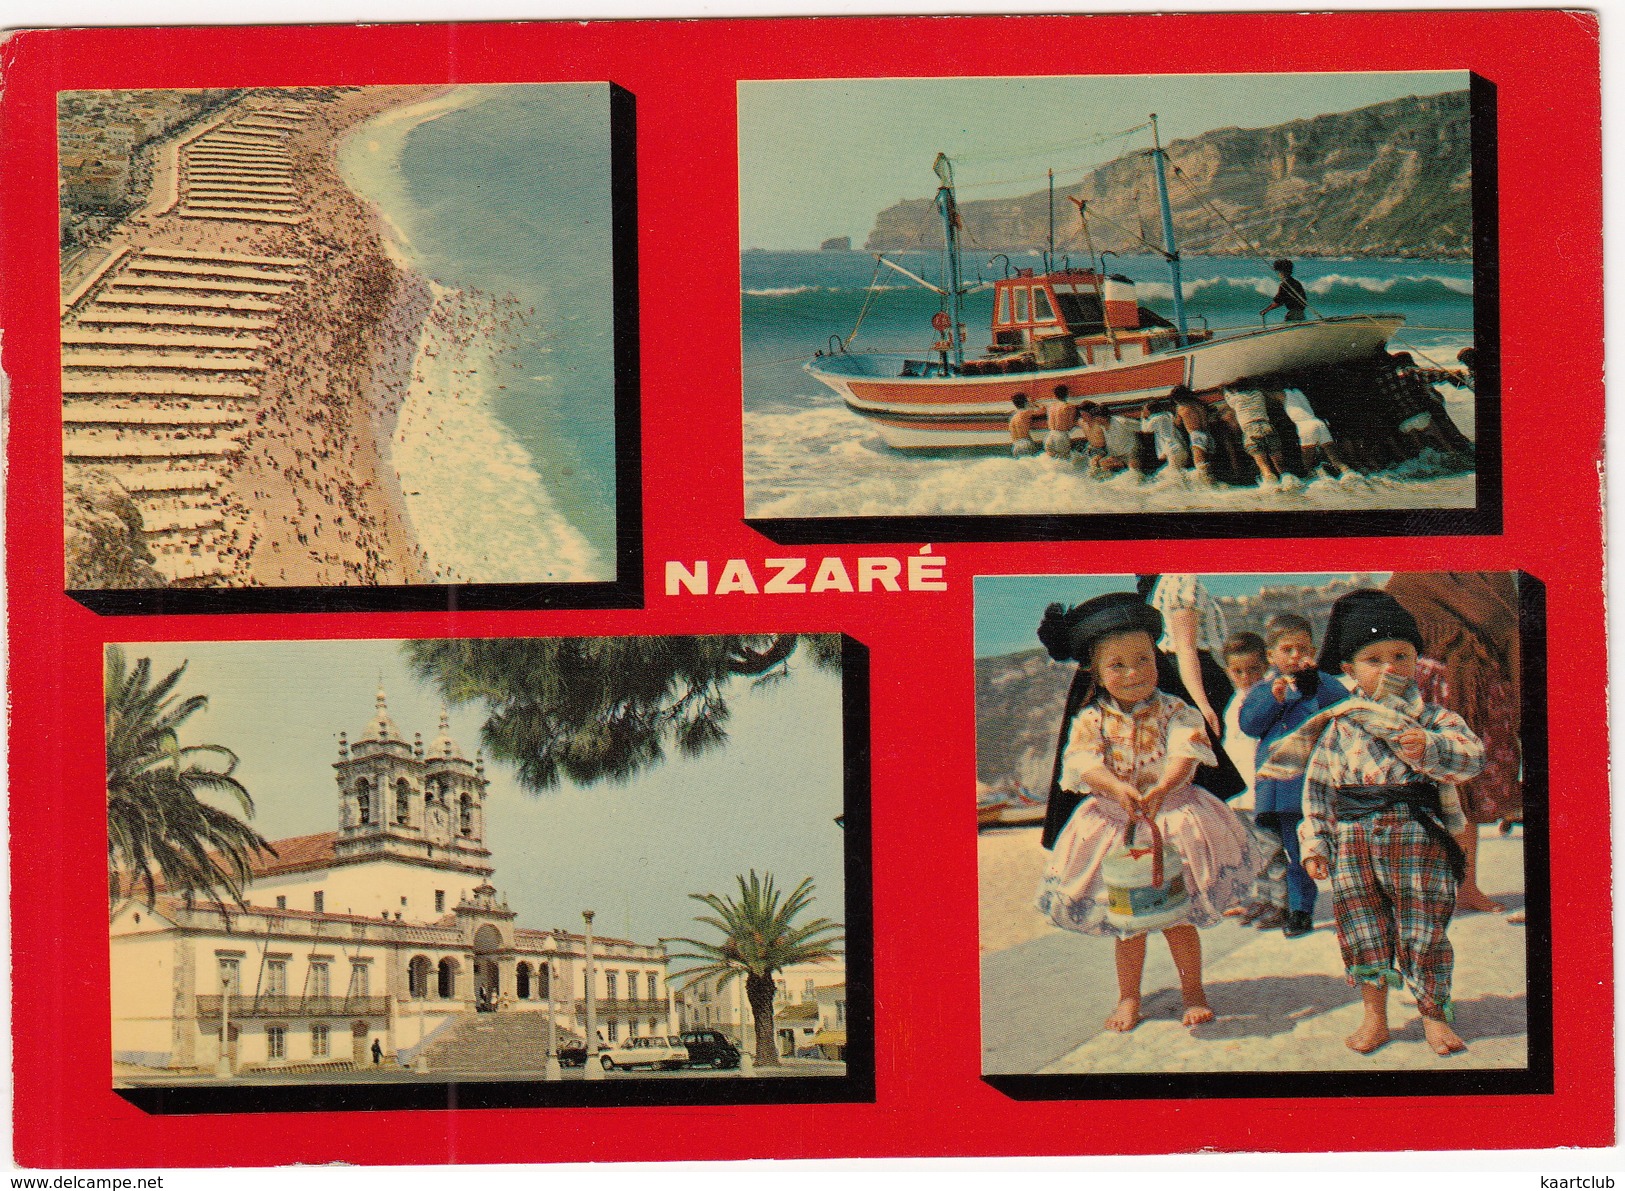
[[1361, 618], [1071, 634]]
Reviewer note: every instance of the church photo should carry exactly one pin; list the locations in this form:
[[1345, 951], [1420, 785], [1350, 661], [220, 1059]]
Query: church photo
[[423, 863]]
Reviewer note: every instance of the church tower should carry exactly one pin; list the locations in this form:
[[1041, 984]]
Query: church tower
[[405, 802]]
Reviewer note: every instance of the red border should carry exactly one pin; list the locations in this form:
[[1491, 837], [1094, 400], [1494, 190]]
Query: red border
[[930, 1100]]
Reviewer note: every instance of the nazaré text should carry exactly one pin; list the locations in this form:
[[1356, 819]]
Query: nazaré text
[[791, 576]]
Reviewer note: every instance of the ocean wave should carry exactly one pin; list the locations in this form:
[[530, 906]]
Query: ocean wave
[[790, 291], [480, 510], [824, 462], [1336, 289]]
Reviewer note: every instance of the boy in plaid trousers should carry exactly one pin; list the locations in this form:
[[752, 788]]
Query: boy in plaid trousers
[[1380, 806]]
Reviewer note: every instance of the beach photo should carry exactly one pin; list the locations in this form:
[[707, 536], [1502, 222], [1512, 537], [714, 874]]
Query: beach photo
[[338, 337], [1213, 296], [546, 871], [1252, 829]]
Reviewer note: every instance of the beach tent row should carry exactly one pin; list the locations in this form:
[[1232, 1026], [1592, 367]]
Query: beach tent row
[[162, 360], [241, 169]]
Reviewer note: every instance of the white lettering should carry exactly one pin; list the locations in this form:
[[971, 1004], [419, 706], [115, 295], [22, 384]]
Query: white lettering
[[697, 582], [736, 576], [881, 570], [786, 569], [925, 574], [832, 576]]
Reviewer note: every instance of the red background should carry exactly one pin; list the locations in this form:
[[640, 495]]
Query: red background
[[930, 1100]]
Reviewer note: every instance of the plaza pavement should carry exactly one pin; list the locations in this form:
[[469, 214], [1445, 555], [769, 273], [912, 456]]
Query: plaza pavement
[[1281, 1004]]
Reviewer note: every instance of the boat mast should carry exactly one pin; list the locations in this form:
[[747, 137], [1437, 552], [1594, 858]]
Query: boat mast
[[950, 233], [1170, 250], [1049, 257]]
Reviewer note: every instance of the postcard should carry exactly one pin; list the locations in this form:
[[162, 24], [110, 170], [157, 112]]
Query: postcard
[[554, 573]]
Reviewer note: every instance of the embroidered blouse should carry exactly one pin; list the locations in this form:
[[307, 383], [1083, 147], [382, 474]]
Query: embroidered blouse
[[1134, 744]]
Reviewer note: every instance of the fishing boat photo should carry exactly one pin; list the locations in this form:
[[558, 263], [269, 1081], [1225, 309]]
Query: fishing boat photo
[[1081, 328]]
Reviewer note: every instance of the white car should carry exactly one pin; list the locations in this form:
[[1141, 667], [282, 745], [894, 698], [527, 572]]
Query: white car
[[651, 1050]]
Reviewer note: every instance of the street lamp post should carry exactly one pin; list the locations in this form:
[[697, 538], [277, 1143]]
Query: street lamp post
[[552, 1038], [593, 1069], [747, 1053], [223, 1065]]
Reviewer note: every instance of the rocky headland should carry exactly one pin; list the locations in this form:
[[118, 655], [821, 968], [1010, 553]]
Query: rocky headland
[[1390, 180]]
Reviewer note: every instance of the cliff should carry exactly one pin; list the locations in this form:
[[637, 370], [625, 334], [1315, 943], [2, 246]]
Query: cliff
[[1393, 179]]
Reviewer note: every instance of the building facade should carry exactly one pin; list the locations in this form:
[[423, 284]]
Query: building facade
[[809, 1008], [366, 943]]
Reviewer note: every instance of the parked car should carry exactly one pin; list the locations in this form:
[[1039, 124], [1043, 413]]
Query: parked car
[[651, 1050], [573, 1052], [710, 1048]]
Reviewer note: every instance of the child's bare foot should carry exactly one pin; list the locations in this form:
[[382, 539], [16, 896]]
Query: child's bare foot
[[1196, 1014], [1372, 1035], [1441, 1037], [1125, 1017]]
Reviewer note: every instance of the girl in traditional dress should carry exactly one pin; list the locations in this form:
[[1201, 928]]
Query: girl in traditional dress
[[1129, 754]]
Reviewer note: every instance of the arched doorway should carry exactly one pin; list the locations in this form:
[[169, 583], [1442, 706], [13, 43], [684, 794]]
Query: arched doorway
[[358, 1043], [417, 978], [446, 987], [522, 982], [487, 972]]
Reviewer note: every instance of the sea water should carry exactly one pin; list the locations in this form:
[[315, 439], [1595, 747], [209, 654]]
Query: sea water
[[806, 455], [500, 197]]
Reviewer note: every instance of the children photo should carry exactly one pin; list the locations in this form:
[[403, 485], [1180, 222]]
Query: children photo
[[1309, 786]]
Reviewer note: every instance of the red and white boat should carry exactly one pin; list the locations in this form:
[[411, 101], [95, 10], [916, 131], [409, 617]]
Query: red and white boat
[[1074, 327]]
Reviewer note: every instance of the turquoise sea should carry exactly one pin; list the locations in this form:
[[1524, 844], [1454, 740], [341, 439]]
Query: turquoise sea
[[500, 197]]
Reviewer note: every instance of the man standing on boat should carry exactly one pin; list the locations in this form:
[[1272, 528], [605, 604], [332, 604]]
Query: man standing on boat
[[1291, 295]]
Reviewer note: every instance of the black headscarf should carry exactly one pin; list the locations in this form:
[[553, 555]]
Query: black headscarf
[[1361, 618], [1071, 634]]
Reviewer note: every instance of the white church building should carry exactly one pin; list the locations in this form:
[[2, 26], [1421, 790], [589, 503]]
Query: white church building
[[384, 941]]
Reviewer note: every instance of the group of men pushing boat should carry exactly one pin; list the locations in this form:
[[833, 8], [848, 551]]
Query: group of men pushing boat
[[1335, 420]]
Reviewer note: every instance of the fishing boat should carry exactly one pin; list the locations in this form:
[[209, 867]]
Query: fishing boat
[[1081, 328]]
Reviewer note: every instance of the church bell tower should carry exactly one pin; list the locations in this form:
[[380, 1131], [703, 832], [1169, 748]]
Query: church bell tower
[[408, 802]]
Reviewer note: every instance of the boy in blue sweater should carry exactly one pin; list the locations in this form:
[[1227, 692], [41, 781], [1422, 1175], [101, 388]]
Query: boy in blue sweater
[[1291, 691]]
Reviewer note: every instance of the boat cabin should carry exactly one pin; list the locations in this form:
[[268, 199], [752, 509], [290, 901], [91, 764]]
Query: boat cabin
[[1066, 318]]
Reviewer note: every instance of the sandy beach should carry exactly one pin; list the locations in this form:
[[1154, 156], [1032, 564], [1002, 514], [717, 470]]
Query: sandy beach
[[235, 358]]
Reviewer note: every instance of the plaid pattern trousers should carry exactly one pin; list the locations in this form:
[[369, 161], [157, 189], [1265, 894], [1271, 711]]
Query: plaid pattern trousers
[[1394, 894]]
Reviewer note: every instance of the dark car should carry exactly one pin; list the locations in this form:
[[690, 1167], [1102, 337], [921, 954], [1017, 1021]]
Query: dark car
[[710, 1048], [573, 1053]]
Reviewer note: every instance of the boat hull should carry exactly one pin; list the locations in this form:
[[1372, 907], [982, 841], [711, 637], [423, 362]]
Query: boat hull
[[926, 412]]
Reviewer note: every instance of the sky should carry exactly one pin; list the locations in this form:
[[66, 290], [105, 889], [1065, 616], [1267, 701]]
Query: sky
[[1009, 607], [821, 158], [632, 853]]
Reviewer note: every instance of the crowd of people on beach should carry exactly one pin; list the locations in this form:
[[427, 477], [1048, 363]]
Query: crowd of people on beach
[[1338, 422], [302, 497], [1368, 762]]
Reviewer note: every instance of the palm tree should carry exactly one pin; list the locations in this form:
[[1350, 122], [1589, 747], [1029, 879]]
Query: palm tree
[[157, 825], [760, 938]]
